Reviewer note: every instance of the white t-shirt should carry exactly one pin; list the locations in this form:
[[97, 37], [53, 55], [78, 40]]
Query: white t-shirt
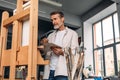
[[58, 41]]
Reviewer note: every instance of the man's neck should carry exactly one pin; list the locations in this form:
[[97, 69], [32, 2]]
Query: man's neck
[[61, 28]]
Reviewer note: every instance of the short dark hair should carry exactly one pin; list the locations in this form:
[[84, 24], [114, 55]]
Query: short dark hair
[[57, 12]]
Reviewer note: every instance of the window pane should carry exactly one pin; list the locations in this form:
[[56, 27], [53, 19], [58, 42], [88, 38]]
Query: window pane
[[107, 31], [118, 56], [117, 35], [109, 62], [99, 69], [97, 35]]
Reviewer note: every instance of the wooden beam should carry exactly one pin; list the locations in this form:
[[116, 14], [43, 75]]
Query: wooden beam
[[32, 51], [5, 15], [14, 50], [22, 58], [34, 22], [19, 16], [6, 55], [25, 1], [19, 6]]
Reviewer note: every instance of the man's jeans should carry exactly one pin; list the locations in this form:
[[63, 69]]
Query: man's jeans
[[51, 76]]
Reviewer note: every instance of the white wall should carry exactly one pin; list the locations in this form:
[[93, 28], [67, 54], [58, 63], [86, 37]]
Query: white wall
[[88, 44]]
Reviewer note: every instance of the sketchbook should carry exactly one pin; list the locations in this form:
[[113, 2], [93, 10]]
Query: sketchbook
[[49, 46]]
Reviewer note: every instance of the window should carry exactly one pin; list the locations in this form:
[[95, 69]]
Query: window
[[118, 56], [97, 35], [109, 61], [107, 31], [106, 51], [99, 70]]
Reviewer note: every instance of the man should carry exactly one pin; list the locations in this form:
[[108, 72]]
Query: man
[[65, 38]]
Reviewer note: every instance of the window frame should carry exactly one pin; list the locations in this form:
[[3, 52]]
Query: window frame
[[103, 47]]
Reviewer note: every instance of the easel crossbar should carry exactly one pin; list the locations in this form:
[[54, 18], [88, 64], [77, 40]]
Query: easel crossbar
[[18, 16]]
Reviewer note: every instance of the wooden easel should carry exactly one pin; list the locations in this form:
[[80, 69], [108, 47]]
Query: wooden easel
[[21, 55]]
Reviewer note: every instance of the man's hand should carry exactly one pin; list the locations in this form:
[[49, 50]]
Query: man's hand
[[58, 51], [44, 41]]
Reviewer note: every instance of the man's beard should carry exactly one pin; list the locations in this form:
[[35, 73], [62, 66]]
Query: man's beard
[[57, 26]]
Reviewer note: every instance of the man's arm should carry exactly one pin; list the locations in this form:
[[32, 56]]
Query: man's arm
[[74, 43]]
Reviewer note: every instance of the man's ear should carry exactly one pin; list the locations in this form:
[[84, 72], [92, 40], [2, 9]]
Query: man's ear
[[63, 19]]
